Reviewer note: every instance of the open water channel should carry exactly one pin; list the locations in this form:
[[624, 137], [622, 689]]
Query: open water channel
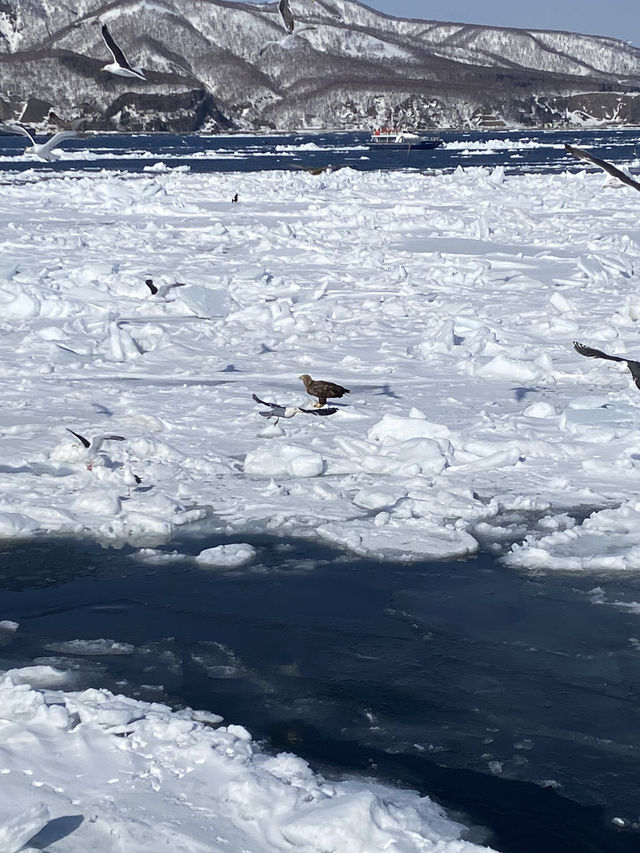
[[512, 699]]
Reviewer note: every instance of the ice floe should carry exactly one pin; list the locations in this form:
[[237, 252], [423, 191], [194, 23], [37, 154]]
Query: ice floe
[[447, 303]]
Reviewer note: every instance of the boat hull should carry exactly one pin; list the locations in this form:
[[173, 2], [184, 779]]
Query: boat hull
[[420, 144]]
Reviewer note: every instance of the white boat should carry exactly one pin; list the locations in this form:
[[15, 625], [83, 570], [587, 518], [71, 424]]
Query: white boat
[[394, 137]]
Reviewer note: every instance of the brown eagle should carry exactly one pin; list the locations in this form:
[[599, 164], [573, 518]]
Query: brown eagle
[[634, 366], [321, 389]]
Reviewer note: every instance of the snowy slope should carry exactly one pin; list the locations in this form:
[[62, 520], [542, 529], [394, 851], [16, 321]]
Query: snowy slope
[[349, 65]]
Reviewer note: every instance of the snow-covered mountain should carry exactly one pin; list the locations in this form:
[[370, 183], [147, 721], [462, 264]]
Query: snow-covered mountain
[[217, 64]]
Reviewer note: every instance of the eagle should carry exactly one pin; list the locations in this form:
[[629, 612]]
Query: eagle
[[634, 366], [321, 389]]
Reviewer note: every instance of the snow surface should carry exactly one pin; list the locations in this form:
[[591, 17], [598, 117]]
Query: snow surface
[[447, 304]]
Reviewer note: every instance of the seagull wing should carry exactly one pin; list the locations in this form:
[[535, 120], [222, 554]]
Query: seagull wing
[[276, 409], [17, 128], [319, 411], [263, 402], [176, 284], [113, 438], [56, 138], [81, 438], [116, 50], [287, 15], [151, 286]]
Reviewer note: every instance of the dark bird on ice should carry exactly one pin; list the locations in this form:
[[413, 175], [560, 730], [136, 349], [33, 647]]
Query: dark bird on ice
[[235, 198], [590, 352], [321, 389], [277, 411], [120, 65], [162, 291]]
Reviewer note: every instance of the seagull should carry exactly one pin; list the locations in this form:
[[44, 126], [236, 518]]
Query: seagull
[[44, 150], [284, 7], [278, 411], [130, 479], [162, 291], [634, 366], [287, 42], [94, 445], [120, 64]]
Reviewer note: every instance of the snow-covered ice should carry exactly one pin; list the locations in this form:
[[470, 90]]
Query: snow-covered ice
[[447, 303]]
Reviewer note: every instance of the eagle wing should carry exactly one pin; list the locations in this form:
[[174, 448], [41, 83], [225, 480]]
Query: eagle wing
[[590, 352], [320, 388], [634, 366]]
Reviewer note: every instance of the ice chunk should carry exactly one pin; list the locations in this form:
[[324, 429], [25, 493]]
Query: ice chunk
[[226, 556]]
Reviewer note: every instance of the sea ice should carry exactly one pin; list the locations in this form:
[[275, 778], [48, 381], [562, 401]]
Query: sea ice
[[450, 313], [226, 556]]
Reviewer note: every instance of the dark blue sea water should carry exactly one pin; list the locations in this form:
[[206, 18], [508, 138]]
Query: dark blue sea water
[[537, 151], [511, 699]]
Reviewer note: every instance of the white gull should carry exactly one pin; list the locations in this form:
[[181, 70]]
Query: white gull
[[44, 150], [120, 65]]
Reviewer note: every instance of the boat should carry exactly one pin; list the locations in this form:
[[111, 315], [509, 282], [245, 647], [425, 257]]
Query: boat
[[395, 137]]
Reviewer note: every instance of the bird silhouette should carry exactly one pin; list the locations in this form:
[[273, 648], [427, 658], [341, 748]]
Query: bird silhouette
[[590, 352]]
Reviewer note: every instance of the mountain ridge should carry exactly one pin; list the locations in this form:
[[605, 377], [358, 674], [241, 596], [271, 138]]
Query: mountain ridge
[[213, 65]]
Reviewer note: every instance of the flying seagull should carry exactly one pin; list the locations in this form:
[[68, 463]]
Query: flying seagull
[[321, 389], [287, 42], [120, 64], [44, 150], [284, 7], [161, 292], [634, 366], [277, 411], [94, 445]]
